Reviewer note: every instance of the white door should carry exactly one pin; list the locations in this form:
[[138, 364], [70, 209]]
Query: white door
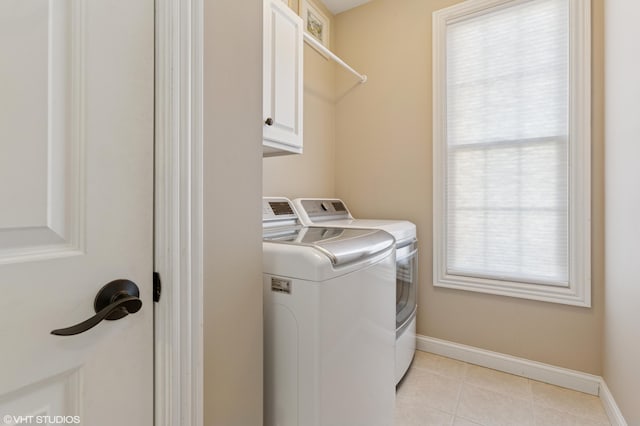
[[76, 205]]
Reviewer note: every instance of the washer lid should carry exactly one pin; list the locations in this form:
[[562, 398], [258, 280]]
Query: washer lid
[[340, 245]]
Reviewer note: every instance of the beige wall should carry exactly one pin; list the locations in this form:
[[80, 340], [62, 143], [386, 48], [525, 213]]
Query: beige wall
[[312, 173], [622, 319], [232, 206], [383, 169]]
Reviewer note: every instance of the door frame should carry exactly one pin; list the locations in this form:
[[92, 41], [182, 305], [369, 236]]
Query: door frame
[[178, 228]]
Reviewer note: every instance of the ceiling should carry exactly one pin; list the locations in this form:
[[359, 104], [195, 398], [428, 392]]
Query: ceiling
[[338, 6]]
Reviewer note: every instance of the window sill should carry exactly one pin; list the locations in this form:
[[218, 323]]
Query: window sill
[[571, 295]]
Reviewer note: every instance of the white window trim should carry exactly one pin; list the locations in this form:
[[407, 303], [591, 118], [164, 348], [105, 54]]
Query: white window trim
[[578, 293]]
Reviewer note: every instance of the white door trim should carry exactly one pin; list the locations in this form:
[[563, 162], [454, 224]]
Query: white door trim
[[178, 213]]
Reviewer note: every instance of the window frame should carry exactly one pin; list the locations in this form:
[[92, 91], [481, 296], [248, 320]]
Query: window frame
[[578, 291]]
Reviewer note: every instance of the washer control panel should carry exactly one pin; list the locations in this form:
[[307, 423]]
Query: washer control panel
[[277, 209]]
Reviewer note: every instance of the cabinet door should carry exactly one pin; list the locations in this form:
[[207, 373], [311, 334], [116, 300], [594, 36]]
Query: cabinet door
[[282, 93]]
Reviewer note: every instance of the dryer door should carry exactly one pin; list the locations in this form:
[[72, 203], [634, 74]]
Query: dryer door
[[406, 282]]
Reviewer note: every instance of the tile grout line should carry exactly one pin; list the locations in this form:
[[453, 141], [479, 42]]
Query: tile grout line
[[562, 409], [527, 397], [532, 402], [462, 382]]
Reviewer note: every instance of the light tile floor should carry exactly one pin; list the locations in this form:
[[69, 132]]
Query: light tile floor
[[442, 391]]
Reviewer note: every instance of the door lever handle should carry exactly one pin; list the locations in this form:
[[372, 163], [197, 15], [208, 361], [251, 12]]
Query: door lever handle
[[115, 300]]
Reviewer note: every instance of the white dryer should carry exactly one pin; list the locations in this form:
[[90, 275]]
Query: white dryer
[[333, 212], [329, 327]]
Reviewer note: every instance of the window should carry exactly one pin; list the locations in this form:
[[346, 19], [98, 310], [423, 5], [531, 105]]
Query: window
[[512, 149]]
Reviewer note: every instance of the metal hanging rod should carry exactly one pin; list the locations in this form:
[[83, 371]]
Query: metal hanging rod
[[315, 43]]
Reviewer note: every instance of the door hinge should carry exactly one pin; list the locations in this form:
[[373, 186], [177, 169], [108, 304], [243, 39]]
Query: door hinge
[[157, 287]]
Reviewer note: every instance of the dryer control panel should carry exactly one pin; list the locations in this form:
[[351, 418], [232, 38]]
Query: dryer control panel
[[327, 209]]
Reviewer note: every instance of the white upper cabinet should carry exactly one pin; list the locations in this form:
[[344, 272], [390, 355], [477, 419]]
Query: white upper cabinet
[[282, 90]]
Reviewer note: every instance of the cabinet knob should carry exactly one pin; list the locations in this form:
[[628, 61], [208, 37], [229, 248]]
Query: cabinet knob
[[269, 121]]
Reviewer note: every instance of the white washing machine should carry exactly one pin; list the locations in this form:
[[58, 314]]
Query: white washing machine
[[329, 327], [334, 213]]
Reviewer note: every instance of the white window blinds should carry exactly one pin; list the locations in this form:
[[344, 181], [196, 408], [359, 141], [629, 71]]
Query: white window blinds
[[506, 178], [512, 148]]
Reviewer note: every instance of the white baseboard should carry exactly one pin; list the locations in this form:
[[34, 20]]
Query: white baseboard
[[570, 379], [610, 406], [558, 376]]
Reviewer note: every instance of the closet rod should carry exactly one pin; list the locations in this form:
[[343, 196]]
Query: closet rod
[[315, 43]]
